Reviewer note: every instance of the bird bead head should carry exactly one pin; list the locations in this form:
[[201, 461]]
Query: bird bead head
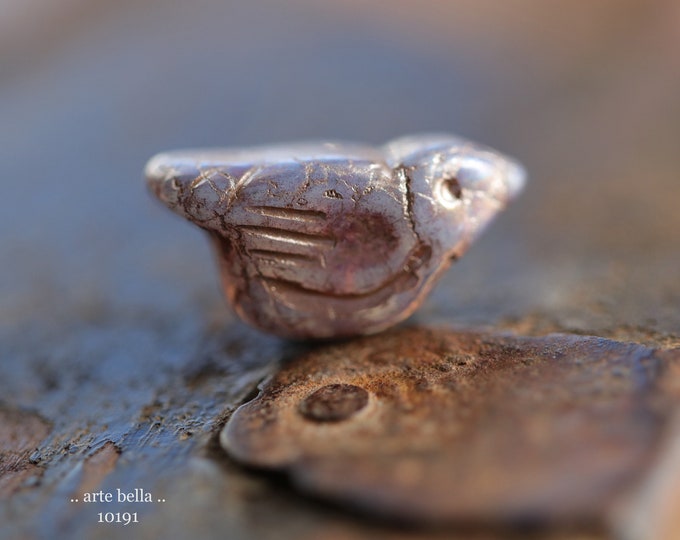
[[456, 187]]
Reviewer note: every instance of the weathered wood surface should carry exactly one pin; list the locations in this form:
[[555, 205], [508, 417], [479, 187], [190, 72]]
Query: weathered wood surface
[[119, 363]]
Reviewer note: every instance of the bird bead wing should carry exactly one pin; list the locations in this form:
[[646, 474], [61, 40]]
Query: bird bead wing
[[321, 226]]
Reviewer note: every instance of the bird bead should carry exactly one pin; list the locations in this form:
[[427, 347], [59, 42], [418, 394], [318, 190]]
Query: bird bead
[[330, 239]]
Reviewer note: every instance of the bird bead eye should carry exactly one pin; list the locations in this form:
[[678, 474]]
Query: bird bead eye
[[467, 175], [450, 190]]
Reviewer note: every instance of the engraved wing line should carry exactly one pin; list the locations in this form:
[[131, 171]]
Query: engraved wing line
[[293, 214], [278, 253], [295, 295], [275, 245]]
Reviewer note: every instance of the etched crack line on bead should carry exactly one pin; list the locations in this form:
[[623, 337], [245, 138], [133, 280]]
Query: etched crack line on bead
[[403, 170], [293, 214], [245, 179]]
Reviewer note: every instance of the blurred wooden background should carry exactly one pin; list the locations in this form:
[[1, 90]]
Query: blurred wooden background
[[116, 349]]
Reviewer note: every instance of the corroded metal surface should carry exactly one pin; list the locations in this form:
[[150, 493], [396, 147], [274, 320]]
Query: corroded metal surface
[[462, 425], [330, 239]]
